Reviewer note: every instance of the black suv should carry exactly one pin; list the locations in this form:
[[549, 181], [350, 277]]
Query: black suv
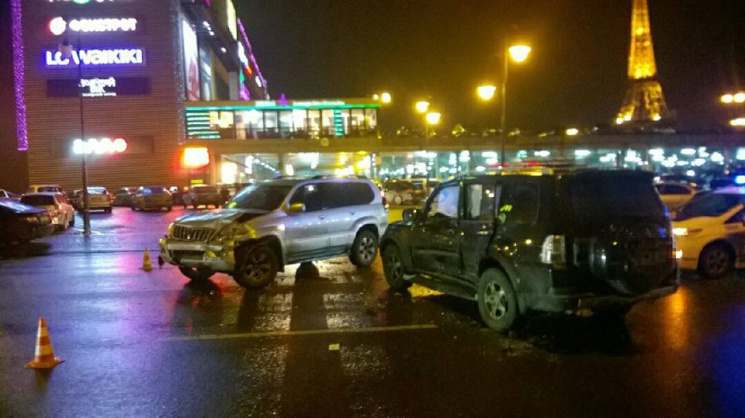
[[585, 240]]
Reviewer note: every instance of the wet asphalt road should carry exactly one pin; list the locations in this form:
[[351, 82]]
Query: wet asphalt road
[[330, 340]]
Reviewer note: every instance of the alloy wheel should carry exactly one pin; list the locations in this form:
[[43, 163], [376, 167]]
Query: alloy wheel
[[367, 249], [495, 300]]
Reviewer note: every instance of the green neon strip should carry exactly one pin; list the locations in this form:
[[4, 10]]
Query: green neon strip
[[198, 109]]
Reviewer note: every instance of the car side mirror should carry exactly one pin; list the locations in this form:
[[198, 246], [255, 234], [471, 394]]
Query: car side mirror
[[409, 215], [296, 208]]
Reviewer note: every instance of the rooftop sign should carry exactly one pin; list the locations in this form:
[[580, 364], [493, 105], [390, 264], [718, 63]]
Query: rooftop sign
[[59, 25]]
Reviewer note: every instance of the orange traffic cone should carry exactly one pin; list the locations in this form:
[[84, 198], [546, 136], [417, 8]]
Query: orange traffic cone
[[146, 265], [44, 357]]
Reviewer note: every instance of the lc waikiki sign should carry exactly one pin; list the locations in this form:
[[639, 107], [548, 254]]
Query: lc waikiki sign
[[95, 57]]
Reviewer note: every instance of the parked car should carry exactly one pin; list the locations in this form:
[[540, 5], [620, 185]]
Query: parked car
[[400, 192], [584, 240], [203, 195], [123, 196], [4, 194], [62, 212], [675, 195], [178, 195], [276, 223], [152, 197], [39, 188], [710, 232], [22, 223], [99, 199]]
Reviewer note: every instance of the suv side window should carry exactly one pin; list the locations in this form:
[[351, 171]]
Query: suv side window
[[479, 203], [519, 205], [444, 204], [311, 196], [353, 194]]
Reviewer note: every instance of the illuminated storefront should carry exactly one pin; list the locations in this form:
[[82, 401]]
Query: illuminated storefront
[[110, 79]]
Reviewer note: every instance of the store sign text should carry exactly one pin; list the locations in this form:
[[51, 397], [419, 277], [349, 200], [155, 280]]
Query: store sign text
[[59, 25], [93, 57], [99, 146], [99, 87]]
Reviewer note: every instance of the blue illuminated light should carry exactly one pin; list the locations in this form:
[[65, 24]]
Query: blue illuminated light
[[740, 180]]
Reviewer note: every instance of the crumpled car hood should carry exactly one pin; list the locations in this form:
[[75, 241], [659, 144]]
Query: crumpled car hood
[[218, 217]]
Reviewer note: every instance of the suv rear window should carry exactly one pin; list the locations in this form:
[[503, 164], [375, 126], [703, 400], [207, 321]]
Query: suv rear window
[[38, 200], [597, 199]]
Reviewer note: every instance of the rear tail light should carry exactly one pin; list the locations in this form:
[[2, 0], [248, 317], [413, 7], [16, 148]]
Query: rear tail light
[[553, 250]]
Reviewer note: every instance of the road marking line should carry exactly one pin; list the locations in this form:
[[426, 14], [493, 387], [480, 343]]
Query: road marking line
[[303, 332]]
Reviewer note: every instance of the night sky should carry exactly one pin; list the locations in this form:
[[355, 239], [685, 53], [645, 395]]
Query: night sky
[[443, 49]]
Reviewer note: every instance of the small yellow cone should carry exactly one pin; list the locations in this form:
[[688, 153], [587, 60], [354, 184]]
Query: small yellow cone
[[44, 354], [146, 265]]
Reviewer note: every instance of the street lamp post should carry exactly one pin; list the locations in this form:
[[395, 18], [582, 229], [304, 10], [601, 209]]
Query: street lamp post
[[518, 53], [66, 50]]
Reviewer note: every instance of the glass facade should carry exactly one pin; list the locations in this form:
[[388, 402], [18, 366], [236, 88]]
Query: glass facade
[[279, 122], [702, 163]]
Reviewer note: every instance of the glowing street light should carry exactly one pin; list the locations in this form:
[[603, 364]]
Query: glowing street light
[[386, 98], [572, 132], [433, 118], [486, 92], [422, 106], [519, 53], [729, 98]]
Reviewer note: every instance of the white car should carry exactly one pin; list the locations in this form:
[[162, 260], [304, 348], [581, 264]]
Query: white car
[[710, 232], [675, 195], [63, 214]]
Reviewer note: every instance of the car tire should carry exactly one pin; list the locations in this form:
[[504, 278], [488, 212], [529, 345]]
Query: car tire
[[393, 267], [196, 274], [256, 267], [716, 261], [497, 301], [398, 200], [364, 249]]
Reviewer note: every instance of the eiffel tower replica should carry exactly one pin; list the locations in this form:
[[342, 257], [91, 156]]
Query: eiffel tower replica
[[644, 102]]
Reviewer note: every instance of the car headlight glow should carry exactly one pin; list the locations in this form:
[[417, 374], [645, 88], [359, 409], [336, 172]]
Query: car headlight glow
[[680, 232]]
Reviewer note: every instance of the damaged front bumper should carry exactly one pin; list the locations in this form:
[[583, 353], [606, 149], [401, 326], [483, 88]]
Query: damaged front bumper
[[183, 253]]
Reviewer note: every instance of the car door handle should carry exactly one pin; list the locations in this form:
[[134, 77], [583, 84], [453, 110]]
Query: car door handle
[[321, 216], [351, 212]]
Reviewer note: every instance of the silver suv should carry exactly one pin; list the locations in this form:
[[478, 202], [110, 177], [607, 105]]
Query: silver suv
[[276, 223]]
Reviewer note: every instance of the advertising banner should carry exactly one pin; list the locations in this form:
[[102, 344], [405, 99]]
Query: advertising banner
[[191, 61]]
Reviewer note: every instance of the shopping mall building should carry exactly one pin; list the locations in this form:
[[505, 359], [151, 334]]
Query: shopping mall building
[[109, 79], [169, 92]]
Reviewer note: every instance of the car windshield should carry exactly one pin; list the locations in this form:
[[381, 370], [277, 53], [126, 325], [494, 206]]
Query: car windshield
[[206, 189], [38, 200], [49, 189], [264, 197], [595, 200], [712, 205], [153, 190], [97, 190]]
